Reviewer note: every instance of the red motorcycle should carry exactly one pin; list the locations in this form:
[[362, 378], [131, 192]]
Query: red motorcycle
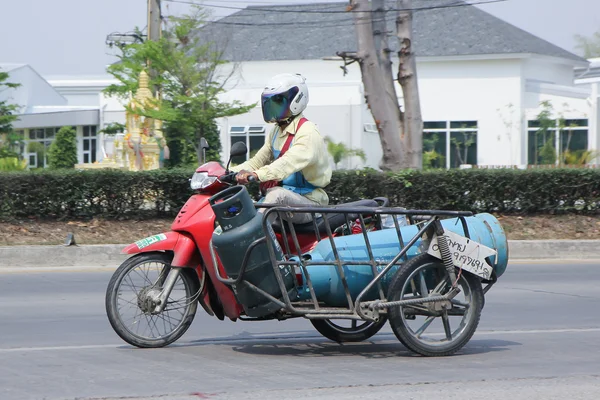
[[151, 299]]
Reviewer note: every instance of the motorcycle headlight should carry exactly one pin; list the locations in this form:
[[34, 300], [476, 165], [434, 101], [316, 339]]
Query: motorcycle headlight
[[201, 180]]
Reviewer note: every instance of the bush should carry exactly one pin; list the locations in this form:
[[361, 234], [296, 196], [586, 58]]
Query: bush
[[508, 191], [161, 193], [12, 164], [63, 150], [93, 193]]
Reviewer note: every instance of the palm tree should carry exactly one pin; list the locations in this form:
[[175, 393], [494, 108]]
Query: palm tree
[[340, 151]]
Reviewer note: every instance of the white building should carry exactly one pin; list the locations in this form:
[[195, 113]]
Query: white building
[[481, 80], [43, 110]]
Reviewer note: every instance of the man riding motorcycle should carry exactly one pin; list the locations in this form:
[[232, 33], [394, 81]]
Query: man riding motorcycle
[[293, 165]]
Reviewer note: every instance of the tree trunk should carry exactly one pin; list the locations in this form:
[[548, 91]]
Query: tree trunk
[[385, 112], [412, 136], [383, 54]]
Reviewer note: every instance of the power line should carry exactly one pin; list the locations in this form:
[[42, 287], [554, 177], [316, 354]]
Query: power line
[[260, 8]]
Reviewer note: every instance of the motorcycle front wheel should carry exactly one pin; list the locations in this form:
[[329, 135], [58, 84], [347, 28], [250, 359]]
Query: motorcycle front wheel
[[128, 308]]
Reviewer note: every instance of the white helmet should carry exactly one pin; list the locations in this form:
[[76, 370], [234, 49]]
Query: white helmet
[[284, 96]]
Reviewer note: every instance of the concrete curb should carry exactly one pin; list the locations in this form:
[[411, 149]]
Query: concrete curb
[[62, 256], [110, 255]]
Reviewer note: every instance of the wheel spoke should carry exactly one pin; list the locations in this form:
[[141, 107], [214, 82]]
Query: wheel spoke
[[168, 319], [144, 277], [151, 324], [413, 287], [446, 323], [425, 325], [423, 285], [132, 285], [440, 286], [354, 322], [460, 303]]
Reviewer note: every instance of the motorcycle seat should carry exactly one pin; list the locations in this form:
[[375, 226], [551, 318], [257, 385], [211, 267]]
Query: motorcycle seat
[[335, 219]]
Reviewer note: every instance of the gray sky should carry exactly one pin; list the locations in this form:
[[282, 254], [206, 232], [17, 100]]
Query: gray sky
[[65, 37]]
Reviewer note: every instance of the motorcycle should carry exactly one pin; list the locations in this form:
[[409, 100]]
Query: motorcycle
[[362, 263], [177, 273]]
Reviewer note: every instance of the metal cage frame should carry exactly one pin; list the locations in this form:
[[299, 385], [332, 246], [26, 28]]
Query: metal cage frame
[[428, 220]]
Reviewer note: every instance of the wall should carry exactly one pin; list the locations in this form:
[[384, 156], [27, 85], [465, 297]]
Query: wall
[[547, 69], [449, 91], [335, 100]]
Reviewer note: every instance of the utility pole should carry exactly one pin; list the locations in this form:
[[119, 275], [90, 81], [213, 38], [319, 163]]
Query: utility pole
[[154, 20], [154, 32]]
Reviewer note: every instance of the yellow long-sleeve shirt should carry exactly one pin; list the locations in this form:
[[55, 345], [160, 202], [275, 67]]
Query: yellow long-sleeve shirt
[[307, 154]]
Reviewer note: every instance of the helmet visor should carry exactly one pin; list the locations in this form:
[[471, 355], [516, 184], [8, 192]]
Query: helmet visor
[[276, 106]]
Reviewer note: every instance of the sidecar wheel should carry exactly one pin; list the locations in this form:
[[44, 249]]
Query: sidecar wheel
[[126, 301], [357, 332], [428, 328]]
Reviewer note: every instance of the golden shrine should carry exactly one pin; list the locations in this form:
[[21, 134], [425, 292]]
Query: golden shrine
[[143, 145]]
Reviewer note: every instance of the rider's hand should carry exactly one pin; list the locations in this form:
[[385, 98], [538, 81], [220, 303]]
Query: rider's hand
[[242, 176]]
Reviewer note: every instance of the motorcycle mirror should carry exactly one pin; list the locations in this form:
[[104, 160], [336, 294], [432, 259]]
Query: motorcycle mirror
[[238, 149]]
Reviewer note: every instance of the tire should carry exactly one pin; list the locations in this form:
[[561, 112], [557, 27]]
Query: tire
[[188, 303], [433, 273], [362, 331]]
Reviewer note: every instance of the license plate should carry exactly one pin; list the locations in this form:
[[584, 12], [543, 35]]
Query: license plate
[[466, 254]]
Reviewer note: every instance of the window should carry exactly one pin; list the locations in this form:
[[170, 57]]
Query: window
[[545, 147], [448, 144], [90, 141], [252, 135], [39, 140], [371, 128]]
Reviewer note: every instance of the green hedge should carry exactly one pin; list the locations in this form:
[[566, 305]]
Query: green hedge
[[508, 191], [84, 194], [117, 194]]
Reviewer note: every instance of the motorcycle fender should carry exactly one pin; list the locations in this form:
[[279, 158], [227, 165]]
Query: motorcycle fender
[[183, 247]]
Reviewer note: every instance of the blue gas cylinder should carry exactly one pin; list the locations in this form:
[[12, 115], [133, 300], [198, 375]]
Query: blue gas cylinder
[[483, 228]]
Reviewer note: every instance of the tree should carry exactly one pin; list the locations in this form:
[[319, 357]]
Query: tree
[[400, 132], [9, 140], [113, 128], [63, 150], [589, 46], [544, 150], [340, 151], [186, 68]]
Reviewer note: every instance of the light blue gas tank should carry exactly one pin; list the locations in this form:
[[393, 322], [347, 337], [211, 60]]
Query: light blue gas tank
[[483, 228]]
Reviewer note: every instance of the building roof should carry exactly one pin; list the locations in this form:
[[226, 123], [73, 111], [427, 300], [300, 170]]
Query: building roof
[[317, 30], [7, 67], [592, 71]]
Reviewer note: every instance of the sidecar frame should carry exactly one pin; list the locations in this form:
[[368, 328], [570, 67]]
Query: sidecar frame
[[428, 222]]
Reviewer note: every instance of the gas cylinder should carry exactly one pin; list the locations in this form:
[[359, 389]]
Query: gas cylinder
[[483, 228], [238, 225]]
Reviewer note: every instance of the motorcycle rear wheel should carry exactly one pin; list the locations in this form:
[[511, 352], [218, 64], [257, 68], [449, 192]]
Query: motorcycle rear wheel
[[358, 332], [127, 294]]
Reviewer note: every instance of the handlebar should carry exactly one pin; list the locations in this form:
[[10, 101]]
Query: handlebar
[[231, 178]]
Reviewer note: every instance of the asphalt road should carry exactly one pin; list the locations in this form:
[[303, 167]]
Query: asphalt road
[[539, 337]]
